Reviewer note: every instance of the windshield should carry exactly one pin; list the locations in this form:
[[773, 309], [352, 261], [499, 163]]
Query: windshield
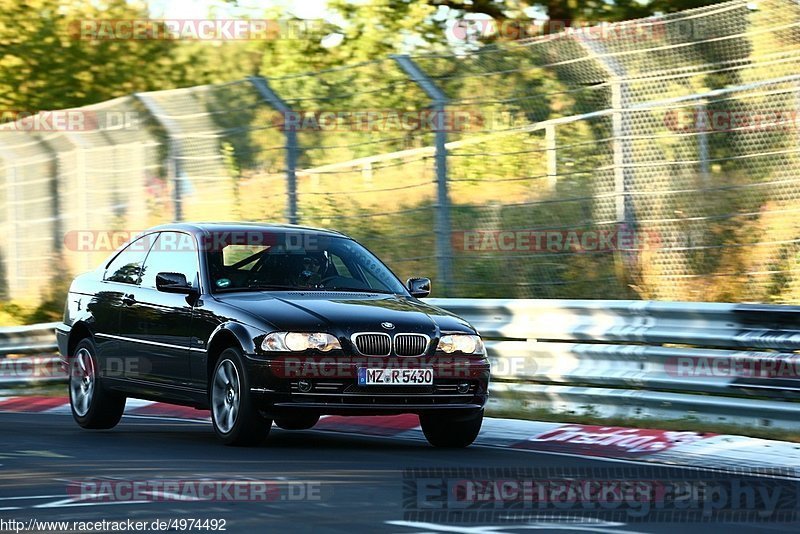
[[291, 261]]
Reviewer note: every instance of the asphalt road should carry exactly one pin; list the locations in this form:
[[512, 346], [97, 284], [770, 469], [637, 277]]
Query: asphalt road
[[355, 482]]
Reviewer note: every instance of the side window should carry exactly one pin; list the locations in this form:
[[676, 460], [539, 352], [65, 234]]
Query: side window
[[173, 252], [127, 266]]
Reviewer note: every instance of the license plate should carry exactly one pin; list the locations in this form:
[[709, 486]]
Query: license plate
[[394, 377]]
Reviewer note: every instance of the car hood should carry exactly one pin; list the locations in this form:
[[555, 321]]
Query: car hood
[[345, 313]]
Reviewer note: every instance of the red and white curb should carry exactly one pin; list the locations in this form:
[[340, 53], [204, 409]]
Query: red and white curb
[[693, 449]]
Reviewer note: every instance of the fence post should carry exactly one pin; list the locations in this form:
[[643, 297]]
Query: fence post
[[621, 148], [174, 152], [552, 161], [443, 229], [277, 103], [621, 142], [83, 193], [702, 144], [620, 102], [12, 254]]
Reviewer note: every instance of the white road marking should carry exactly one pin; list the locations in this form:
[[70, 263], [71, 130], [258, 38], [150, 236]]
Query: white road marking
[[132, 404], [76, 501], [603, 527], [171, 496], [30, 497]]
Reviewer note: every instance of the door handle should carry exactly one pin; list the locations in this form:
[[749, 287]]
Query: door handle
[[128, 299]]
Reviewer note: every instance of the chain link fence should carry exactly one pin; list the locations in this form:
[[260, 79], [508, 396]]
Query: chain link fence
[[653, 159]]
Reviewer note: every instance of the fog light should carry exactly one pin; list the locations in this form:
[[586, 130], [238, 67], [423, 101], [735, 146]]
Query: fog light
[[463, 387], [304, 386]]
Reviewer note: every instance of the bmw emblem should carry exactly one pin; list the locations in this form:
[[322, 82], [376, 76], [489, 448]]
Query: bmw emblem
[[387, 325]]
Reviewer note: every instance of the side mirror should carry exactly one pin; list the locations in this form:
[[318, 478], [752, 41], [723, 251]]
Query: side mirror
[[174, 283], [419, 287]]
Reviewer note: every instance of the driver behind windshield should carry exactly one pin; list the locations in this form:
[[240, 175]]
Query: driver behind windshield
[[312, 269], [338, 264]]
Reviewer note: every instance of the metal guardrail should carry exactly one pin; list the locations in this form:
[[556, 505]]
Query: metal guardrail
[[27, 355], [720, 363], [716, 363], [28, 339]]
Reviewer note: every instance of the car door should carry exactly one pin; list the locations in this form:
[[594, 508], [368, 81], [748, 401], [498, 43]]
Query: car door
[[120, 278], [158, 325]]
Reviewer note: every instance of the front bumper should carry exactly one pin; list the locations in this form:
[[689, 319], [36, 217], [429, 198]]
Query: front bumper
[[62, 340], [458, 384]]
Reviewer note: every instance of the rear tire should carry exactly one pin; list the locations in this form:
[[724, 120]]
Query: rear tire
[[454, 431], [234, 415], [302, 421], [92, 405]]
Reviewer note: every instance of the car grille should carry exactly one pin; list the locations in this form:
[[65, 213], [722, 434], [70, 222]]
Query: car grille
[[354, 389], [380, 344], [410, 344], [373, 344]]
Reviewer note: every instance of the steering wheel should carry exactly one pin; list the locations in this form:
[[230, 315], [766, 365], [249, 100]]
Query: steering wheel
[[328, 279], [254, 277], [252, 280]]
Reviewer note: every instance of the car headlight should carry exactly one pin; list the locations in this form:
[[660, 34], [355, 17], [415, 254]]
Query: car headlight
[[299, 341], [468, 344]]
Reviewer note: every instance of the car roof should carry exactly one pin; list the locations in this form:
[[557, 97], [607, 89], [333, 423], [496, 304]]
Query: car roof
[[209, 227]]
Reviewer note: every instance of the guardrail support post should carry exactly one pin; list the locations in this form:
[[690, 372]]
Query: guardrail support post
[[277, 103], [443, 228]]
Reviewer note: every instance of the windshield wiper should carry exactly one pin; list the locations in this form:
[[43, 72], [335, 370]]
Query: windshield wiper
[[358, 290], [258, 287]]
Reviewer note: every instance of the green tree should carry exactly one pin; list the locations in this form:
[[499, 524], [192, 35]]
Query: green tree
[[45, 64], [569, 10], [387, 15]]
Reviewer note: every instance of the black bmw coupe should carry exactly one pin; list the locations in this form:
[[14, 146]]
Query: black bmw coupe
[[267, 323]]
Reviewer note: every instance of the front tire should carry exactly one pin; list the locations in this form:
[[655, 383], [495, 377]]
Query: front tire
[[453, 431], [92, 405], [233, 413]]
